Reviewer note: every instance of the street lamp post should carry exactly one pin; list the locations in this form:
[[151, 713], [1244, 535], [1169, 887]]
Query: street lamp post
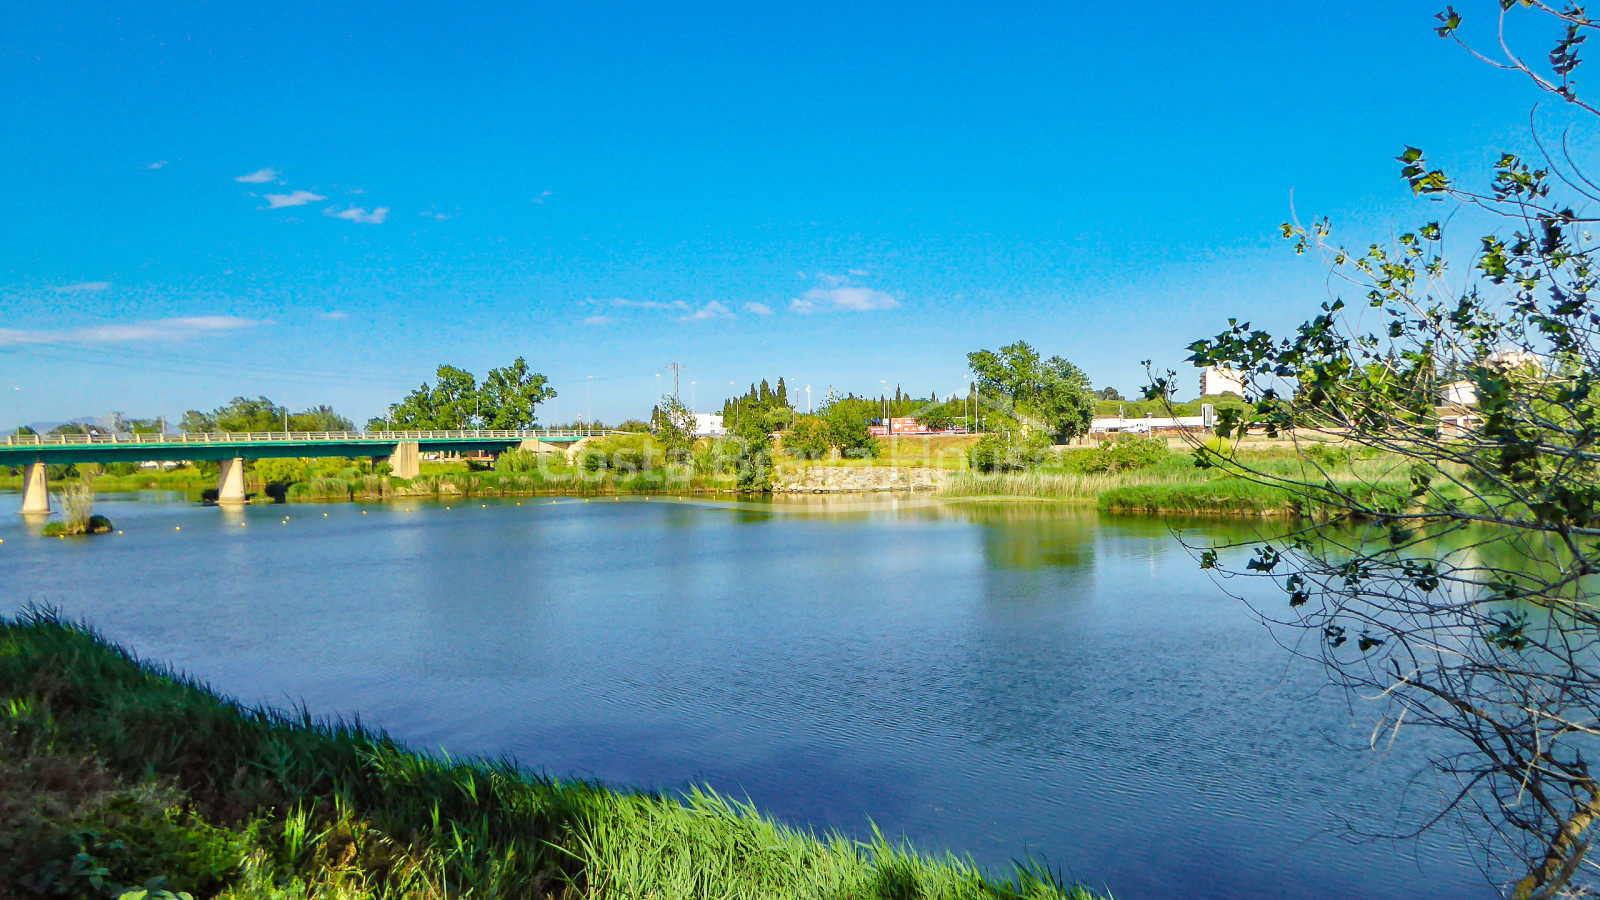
[[588, 400]]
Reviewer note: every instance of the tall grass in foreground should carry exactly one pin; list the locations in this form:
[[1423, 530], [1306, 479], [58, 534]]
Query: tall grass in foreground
[[115, 772]]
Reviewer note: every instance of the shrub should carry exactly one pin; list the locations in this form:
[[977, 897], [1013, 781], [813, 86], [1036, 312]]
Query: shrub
[[807, 438], [992, 454], [281, 471], [1326, 455], [517, 461], [1134, 453]]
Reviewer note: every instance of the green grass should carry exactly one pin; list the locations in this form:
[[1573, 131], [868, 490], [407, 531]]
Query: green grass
[[114, 772], [1223, 496]]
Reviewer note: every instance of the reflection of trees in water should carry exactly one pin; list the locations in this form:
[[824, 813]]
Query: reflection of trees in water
[[1018, 536]]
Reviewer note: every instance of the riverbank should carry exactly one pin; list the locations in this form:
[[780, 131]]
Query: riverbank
[[114, 772], [1123, 477]]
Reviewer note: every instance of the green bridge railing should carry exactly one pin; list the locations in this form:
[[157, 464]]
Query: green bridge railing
[[264, 437]]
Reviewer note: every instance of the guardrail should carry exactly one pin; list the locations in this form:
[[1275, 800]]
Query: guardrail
[[253, 437]]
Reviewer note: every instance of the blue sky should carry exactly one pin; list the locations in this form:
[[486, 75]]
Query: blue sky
[[320, 202]]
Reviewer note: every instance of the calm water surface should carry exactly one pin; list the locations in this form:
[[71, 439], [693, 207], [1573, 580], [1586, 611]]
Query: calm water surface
[[999, 680]]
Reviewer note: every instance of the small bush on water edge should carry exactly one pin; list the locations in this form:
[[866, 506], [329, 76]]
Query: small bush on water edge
[[114, 773], [95, 525]]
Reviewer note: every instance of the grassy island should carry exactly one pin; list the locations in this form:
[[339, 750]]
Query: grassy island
[[117, 775]]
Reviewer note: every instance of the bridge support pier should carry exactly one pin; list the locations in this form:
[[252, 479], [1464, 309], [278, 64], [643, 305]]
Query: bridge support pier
[[35, 490], [230, 481], [406, 461]]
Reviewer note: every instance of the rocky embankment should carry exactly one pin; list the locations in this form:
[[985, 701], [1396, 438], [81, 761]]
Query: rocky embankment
[[853, 479]]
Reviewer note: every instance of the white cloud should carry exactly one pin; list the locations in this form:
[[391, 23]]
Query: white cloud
[[179, 329], [79, 287], [625, 303], [712, 310], [597, 320], [540, 198], [335, 314], [438, 216], [759, 309], [837, 293], [158, 164], [294, 198], [859, 273], [357, 214], [259, 176]]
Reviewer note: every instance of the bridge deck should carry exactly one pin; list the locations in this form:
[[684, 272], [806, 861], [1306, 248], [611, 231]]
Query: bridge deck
[[58, 449]]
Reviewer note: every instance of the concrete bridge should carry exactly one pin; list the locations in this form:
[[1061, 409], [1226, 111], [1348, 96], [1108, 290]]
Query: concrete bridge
[[403, 449]]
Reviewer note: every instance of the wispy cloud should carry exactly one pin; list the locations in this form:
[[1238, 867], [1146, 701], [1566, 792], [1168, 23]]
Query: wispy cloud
[[838, 293], [540, 198], [597, 320], [357, 214], [335, 314], [293, 198], [758, 309], [179, 329], [259, 176], [438, 216], [79, 287], [712, 310], [624, 303], [158, 164]]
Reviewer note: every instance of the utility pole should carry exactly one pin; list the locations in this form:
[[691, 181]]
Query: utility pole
[[808, 399], [588, 399], [675, 367]]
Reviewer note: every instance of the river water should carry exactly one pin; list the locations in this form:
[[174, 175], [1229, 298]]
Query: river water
[[1000, 680]]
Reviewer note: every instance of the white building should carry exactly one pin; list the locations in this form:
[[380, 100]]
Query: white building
[[1217, 380], [1148, 424], [1460, 393], [709, 425]]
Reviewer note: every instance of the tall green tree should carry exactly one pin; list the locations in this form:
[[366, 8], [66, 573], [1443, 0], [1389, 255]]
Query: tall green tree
[[511, 396], [675, 429], [847, 429], [753, 456], [1463, 600], [1050, 395], [808, 438], [319, 418], [455, 398], [508, 399], [238, 414]]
